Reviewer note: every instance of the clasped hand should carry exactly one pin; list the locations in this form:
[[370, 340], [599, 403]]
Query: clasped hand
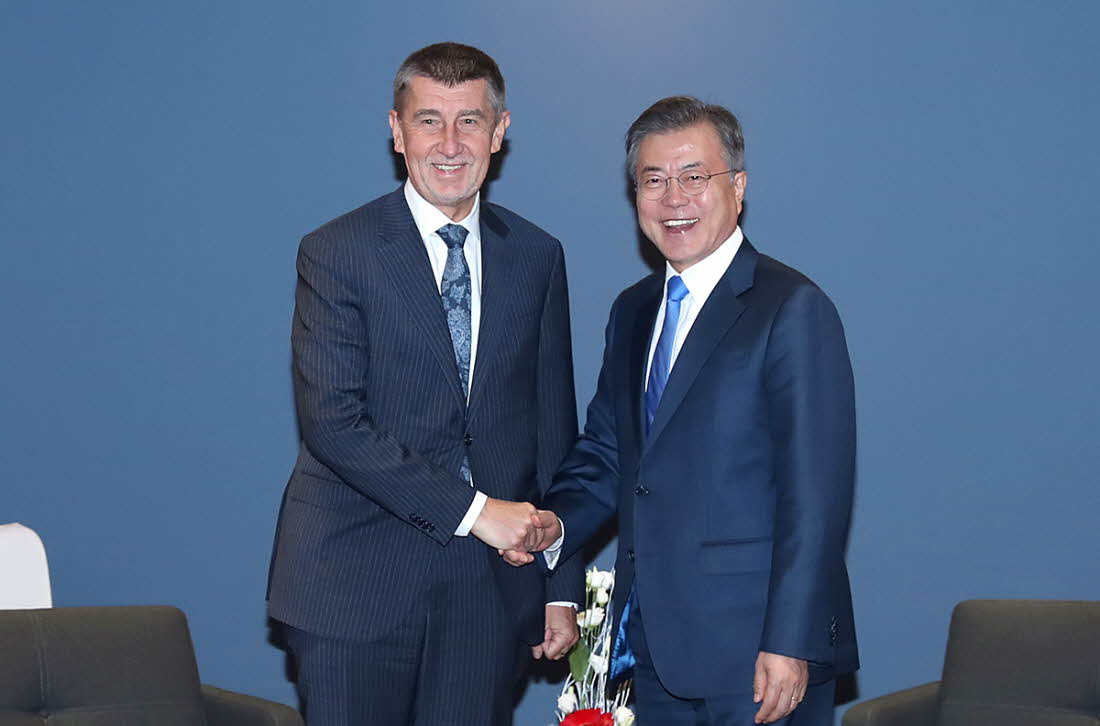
[[516, 529]]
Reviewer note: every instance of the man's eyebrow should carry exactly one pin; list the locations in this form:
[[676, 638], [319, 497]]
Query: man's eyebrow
[[683, 167], [436, 113]]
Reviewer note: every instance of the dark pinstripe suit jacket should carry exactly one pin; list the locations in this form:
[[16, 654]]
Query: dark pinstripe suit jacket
[[375, 491]]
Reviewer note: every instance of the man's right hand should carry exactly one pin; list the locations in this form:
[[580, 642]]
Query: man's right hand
[[551, 532], [515, 526]]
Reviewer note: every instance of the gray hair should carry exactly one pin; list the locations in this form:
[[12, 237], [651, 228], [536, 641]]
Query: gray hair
[[451, 64], [679, 112]]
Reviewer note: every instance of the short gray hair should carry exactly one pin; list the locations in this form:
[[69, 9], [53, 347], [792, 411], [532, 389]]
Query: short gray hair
[[679, 112], [451, 64]]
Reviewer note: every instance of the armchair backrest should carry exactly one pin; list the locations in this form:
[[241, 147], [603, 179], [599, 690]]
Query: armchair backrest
[[1022, 662], [98, 666], [24, 571]]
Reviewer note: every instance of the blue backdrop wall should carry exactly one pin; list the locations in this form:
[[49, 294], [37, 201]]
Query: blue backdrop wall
[[932, 165]]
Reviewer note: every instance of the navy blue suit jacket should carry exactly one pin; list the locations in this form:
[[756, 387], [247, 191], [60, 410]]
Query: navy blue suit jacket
[[375, 492], [733, 512]]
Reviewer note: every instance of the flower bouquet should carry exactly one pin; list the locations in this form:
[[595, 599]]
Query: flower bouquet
[[584, 699]]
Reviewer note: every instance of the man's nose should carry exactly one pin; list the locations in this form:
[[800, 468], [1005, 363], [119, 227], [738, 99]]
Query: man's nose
[[674, 195], [450, 144]]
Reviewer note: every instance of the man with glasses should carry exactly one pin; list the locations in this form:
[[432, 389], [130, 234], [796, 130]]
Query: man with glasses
[[434, 384], [722, 434]]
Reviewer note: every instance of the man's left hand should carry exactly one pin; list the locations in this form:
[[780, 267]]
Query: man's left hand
[[561, 632], [778, 686]]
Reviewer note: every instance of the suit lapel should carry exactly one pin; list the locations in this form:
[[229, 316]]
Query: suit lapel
[[498, 289], [406, 262], [718, 315], [641, 339]]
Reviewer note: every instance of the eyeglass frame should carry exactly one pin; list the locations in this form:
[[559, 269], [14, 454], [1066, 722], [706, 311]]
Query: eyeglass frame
[[668, 183]]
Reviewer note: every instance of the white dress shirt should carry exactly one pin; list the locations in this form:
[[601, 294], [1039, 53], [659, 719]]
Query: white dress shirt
[[428, 220], [700, 280]]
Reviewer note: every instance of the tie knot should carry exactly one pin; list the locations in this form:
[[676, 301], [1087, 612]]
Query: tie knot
[[453, 235], [677, 290]]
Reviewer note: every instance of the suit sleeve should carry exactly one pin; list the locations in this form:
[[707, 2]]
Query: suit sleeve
[[330, 362], [811, 408], [585, 491], [557, 422]]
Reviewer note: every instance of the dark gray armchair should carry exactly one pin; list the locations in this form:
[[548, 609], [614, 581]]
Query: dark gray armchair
[[114, 666], [1008, 663]]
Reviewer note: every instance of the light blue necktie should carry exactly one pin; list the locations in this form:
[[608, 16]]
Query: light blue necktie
[[661, 365], [454, 291], [622, 657]]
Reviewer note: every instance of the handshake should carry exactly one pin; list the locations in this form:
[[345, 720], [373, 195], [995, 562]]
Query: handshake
[[516, 529]]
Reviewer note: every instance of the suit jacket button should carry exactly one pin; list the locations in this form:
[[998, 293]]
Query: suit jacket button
[[431, 527], [630, 555], [468, 440], [641, 491]]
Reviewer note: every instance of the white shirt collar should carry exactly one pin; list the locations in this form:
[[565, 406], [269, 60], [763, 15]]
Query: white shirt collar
[[701, 277], [428, 218]]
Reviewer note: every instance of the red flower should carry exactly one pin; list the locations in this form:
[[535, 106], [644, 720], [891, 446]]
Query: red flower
[[588, 717]]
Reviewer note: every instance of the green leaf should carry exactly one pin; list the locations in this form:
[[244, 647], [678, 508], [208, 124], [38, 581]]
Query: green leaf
[[578, 660]]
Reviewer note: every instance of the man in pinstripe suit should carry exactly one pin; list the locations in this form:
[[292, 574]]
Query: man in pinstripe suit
[[434, 387]]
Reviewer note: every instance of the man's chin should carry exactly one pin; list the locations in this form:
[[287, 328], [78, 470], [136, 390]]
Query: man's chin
[[453, 200]]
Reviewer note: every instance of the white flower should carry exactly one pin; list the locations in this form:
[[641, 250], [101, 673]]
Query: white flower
[[591, 618], [595, 579], [603, 579], [567, 702], [598, 664], [602, 597], [624, 716]]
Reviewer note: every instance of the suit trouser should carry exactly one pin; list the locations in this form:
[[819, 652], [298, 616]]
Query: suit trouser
[[655, 706], [454, 660]]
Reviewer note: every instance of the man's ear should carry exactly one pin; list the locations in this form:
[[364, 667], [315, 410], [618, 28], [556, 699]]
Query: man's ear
[[740, 181], [395, 129], [503, 123]]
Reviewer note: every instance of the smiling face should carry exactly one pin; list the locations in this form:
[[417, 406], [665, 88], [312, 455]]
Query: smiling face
[[447, 134], [687, 228]]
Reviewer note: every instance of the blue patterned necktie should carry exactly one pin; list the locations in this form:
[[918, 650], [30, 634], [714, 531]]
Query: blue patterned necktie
[[661, 365], [622, 657], [454, 292]]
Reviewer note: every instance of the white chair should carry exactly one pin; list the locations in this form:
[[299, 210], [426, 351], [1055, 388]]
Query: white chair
[[24, 572]]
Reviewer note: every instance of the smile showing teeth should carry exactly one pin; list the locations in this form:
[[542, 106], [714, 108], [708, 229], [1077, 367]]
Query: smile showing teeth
[[447, 167], [679, 222]]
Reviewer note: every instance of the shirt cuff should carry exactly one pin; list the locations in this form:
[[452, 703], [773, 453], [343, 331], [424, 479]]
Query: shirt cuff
[[565, 604], [552, 552], [472, 514]]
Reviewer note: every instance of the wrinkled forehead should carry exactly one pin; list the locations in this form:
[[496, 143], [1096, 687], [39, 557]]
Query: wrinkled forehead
[[694, 147], [423, 92]]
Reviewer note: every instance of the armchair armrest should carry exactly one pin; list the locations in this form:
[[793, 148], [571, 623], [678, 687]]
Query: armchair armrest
[[911, 707], [229, 708]]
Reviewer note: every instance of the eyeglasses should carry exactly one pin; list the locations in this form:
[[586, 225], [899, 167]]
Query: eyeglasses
[[654, 186]]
